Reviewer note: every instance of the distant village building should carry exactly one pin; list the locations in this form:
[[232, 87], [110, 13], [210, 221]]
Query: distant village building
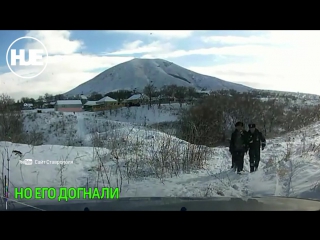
[[106, 103], [68, 106], [27, 106], [83, 98], [137, 98], [49, 104], [88, 106], [203, 93]]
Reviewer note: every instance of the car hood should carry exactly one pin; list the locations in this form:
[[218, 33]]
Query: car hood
[[171, 204]]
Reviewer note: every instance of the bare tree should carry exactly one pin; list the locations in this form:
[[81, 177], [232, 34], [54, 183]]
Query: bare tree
[[150, 91], [181, 94], [214, 116], [11, 120]]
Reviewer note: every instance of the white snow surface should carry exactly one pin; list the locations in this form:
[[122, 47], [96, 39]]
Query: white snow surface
[[290, 165], [295, 178], [138, 73], [65, 128]]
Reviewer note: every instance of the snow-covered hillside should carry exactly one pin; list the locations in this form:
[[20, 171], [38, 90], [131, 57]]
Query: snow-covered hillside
[[138, 73], [77, 129], [289, 98], [148, 163], [120, 149], [307, 96], [144, 115]]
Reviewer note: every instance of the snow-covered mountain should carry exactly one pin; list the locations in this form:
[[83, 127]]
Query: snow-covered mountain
[[138, 73]]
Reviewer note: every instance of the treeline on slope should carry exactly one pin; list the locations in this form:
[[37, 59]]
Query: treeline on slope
[[11, 118], [181, 93], [163, 94], [11, 124], [211, 120]]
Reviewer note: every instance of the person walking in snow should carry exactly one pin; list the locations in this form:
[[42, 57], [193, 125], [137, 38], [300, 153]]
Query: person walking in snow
[[256, 140], [238, 147]]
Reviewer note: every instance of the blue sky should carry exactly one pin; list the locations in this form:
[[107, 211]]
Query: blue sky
[[279, 60]]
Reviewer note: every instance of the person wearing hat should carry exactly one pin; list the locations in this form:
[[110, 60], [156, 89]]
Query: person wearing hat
[[256, 140], [238, 147]]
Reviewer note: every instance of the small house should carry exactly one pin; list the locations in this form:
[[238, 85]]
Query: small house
[[68, 106], [83, 98], [88, 106], [137, 98], [202, 93], [52, 104], [27, 106], [48, 105], [106, 103]]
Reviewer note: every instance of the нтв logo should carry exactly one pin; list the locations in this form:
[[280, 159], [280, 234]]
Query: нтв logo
[[35, 52]]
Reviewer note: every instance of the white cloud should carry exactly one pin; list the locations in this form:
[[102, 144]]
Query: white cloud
[[292, 65], [164, 34], [63, 73], [282, 60], [280, 38], [236, 40], [56, 42], [246, 50], [66, 69], [135, 47]]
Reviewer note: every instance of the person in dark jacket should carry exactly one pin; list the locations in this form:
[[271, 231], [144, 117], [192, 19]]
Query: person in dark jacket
[[238, 147], [256, 140]]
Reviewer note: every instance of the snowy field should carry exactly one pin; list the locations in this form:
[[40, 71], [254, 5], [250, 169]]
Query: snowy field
[[77, 129], [120, 150], [147, 163]]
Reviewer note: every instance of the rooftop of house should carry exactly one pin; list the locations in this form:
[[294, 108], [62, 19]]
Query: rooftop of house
[[90, 103], [28, 104], [137, 96], [69, 102], [106, 99]]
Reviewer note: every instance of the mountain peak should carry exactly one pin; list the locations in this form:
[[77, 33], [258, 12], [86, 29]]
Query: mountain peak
[[139, 72]]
